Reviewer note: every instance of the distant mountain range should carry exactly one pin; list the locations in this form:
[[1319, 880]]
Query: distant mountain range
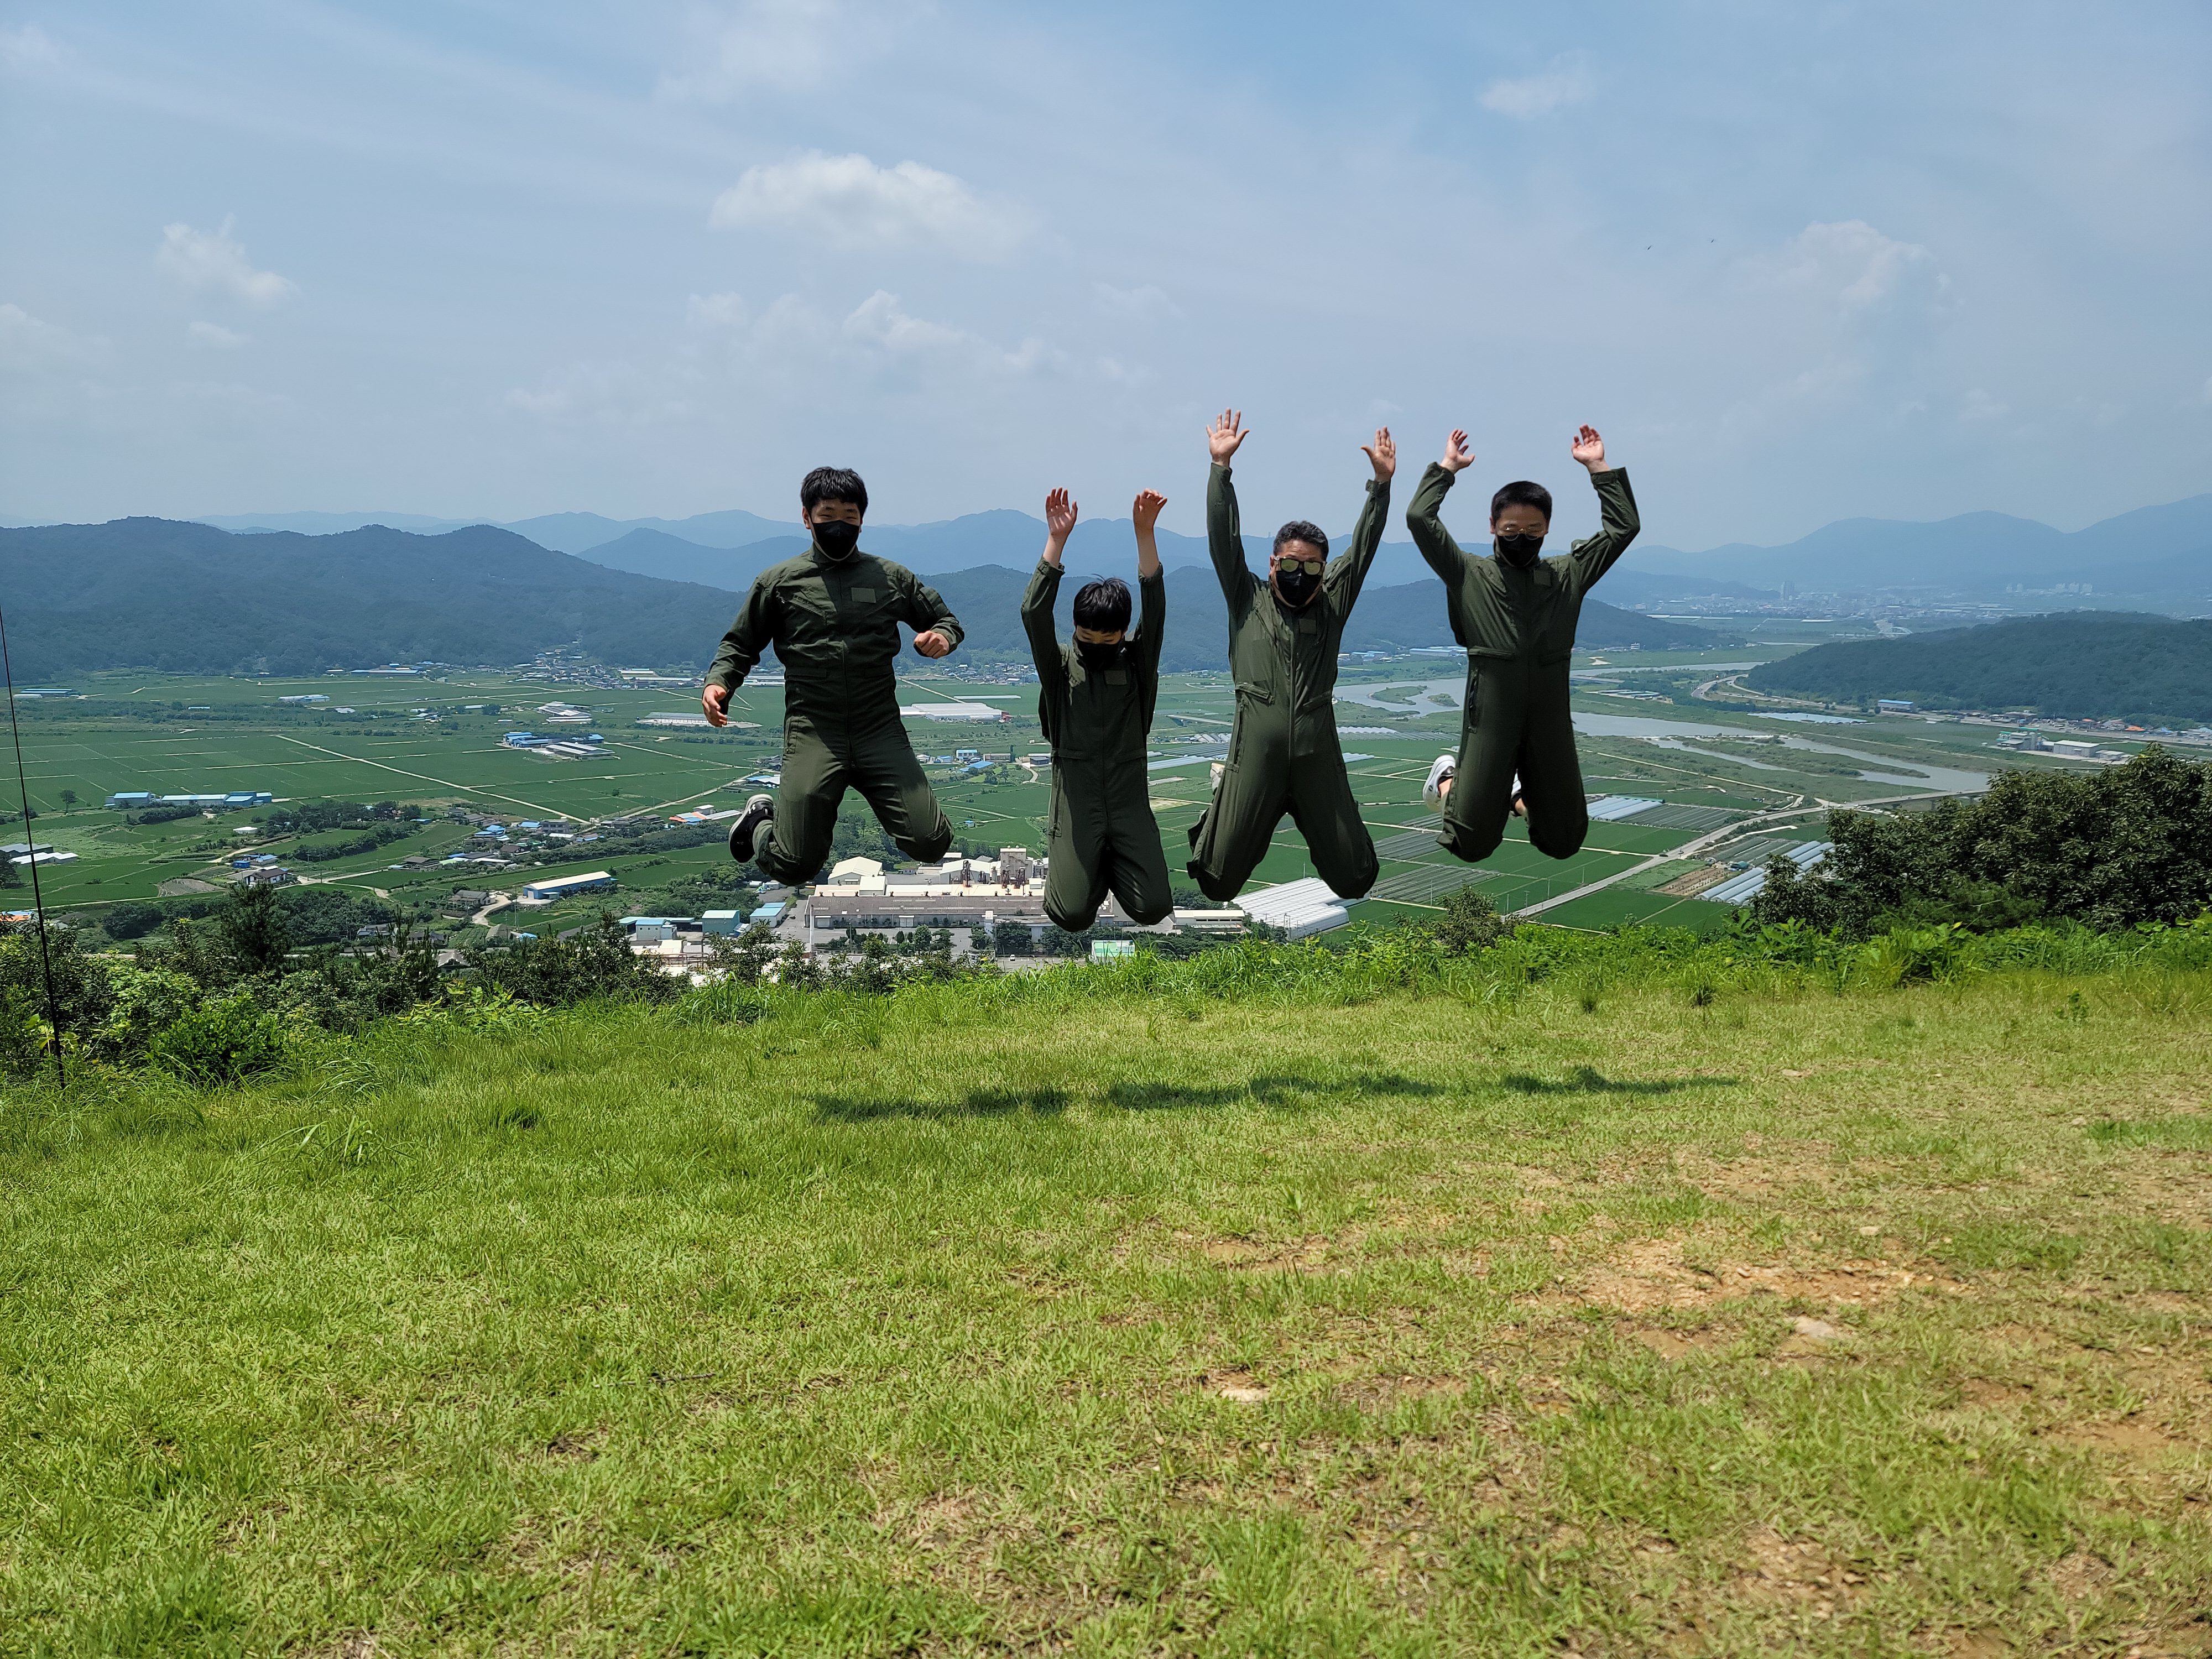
[[184, 598], [2085, 665], [2161, 553]]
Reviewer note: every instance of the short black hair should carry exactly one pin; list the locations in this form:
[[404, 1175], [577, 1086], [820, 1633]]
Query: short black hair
[[1521, 493], [1298, 530], [1102, 606], [832, 484]]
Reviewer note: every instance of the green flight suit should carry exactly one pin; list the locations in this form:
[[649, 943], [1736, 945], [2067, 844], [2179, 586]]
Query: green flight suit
[[1518, 628], [1102, 837], [1284, 757], [835, 628]]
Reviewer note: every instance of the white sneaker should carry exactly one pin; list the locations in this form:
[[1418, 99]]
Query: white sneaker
[[1215, 785], [1440, 773]]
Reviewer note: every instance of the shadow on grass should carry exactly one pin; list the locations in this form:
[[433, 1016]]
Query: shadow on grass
[[1268, 1089], [1588, 1081], [977, 1102], [1271, 1089]]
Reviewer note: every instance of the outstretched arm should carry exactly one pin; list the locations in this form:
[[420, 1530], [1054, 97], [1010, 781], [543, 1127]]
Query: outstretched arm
[[1617, 523], [1224, 531], [1424, 512], [1348, 572], [1044, 592], [1145, 513], [1151, 585]]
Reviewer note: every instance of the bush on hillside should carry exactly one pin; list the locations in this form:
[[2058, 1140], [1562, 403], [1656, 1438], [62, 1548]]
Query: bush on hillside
[[2119, 847], [220, 1043], [595, 965]]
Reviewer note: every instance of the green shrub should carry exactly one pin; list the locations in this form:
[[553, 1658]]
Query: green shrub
[[220, 1043]]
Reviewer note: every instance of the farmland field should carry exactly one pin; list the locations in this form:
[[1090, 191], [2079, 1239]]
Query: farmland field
[[428, 740]]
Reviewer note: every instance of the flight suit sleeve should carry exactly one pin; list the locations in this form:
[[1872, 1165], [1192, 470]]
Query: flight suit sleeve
[[1594, 556], [1151, 630], [921, 609], [1348, 572], [1224, 540], [749, 638], [1036, 622], [1424, 520]]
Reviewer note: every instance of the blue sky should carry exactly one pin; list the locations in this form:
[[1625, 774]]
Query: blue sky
[[1798, 263]]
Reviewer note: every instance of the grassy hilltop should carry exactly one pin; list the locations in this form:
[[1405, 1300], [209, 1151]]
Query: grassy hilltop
[[1579, 1295]]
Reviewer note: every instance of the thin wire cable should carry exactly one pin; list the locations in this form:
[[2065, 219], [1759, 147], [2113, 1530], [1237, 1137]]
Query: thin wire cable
[[31, 840]]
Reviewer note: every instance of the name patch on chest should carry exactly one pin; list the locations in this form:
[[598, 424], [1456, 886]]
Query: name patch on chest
[[1308, 625], [1117, 677], [864, 592]]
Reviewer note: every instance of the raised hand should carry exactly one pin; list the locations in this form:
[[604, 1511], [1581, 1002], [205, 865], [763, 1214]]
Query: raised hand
[[1458, 452], [1589, 449], [1146, 510], [1058, 515], [1382, 453], [1224, 435]]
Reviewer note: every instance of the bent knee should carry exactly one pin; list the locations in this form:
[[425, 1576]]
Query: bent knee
[[1556, 843], [1145, 912]]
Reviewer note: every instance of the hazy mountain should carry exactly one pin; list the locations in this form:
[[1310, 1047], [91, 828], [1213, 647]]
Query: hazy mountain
[[2083, 664], [330, 524], [188, 598], [2157, 549]]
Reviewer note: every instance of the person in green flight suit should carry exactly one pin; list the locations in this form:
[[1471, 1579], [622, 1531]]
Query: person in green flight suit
[[1096, 704], [1283, 633], [1515, 612], [832, 615]]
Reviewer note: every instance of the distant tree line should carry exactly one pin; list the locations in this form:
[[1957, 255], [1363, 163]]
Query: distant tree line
[[2092, 665]]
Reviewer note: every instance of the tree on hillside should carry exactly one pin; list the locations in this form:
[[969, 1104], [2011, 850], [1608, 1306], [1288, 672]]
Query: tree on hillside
[[2108, 849], [253, 933]]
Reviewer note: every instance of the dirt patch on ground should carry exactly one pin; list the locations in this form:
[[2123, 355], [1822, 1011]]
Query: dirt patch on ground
[[1651, 1276], [1240, 1386], [2129, 1437], [1306, 1254], [1678, 1345], [1777, 1572], [1381, 1393]]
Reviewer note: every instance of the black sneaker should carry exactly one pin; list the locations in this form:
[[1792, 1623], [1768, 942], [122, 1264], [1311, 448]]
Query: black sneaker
[[758, 810]]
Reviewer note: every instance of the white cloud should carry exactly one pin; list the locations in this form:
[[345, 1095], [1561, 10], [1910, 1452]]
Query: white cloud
[[210, 261], [1566, 82], [1862, 271], [29, 343], [786, 43], [718, 310], [1980, 406], [215, 336], [848, 201], [27, 47]]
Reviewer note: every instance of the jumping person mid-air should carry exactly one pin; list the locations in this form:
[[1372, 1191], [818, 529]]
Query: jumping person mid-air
[[1284, 632], [1096, 704], [832, 615], [1515, 614]]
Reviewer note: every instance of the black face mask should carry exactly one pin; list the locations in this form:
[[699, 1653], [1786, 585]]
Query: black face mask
[[837, 539], [1295, 587], [1519, 551], [1097, 657]]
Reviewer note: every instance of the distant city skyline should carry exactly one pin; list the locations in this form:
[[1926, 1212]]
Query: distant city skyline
[[502, 261]]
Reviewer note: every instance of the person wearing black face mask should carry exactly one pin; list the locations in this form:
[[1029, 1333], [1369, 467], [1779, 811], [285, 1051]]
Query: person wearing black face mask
[[1095, 701], [1515, 614], [1284, 635], [833, 614]]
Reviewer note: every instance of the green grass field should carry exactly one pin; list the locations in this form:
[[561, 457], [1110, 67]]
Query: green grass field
[[1095, 1314]]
